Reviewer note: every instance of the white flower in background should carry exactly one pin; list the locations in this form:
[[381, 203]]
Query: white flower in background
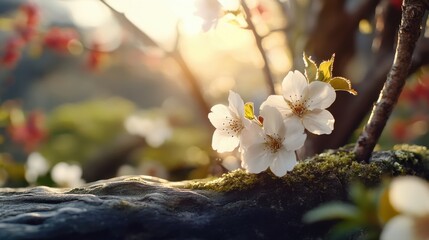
[[208, 12], [409, 195], [155, 129], [36, 166], [305, 102], [230, 5], [229, 123], [67, 175], [273, 145]]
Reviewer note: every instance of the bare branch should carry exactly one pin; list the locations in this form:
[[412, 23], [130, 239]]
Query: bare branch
[[131, 26], [175, 54], [409, 32], [349, 111], [258, 39]]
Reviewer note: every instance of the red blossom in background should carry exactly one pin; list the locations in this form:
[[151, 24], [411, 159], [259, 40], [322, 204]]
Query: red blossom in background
[[58, 39], [12, 52], [61, 40], [30, 132], [396, 4], [94, 57], [407, 130], [418, 92], [27, 27], [32, 14]]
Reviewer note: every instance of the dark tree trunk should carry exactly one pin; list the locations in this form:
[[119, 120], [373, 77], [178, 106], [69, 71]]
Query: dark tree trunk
[[236, 206]]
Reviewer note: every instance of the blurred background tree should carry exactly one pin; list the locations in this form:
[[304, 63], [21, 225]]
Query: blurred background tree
[[93, 89]]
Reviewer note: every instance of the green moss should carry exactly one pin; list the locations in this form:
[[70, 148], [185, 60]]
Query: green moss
[[421, 151], [235, 180], [323, 169]]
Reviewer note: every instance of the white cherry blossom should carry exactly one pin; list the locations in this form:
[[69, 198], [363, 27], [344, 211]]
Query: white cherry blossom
[[305, 103], [155, 129], [208, 12], [229, 122], [409, 195], [273, 145], [36, 166], [67, 175]]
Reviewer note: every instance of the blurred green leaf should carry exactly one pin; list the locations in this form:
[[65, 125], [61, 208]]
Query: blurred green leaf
[[331, 211], [79, 131], [344, 230]]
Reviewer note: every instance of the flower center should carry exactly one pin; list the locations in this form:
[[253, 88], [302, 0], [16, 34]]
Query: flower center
[[273, 143], [298, 107], [234, 127]]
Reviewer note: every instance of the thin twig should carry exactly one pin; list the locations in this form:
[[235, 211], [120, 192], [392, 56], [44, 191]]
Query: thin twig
[[175, 54], [142, 36], [409, 32], [258, 39]]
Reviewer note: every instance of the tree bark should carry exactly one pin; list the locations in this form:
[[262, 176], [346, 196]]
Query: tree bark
[[409, 32]]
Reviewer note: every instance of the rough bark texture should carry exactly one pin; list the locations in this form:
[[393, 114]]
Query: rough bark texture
[[236, 206], [409, 32]]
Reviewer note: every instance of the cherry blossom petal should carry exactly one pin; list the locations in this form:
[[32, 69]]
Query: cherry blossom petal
[[278, 102], [293, 126], [283, 162], [319, 121], [320, 95], [219, 115], [294, 142], [236, 104], [256, 159], [222, 142], [399, 228], [410, 195], [273, 122], [294, 86], [251, 135]]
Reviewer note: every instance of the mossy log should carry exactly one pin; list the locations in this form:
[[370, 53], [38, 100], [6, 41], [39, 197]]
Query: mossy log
[[236, 206]]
